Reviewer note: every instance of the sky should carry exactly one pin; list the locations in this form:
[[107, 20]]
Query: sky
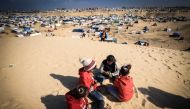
[[52, 4]]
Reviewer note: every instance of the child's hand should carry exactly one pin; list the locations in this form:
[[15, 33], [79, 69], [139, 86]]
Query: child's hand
[[98, 84], [106, 73], [110, 75], [89, 106], [91, 89]]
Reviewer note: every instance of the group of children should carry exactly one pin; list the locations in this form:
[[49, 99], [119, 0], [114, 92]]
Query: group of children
[[90, 83]]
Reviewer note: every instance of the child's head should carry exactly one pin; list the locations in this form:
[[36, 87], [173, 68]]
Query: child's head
[[125, 70], [110, 59], [79, 92], [88, 64]]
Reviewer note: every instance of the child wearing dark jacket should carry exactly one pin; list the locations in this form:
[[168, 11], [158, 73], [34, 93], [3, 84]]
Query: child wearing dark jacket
[[108, 69]]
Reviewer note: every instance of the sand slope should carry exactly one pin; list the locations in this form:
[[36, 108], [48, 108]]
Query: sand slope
[[36, 72]]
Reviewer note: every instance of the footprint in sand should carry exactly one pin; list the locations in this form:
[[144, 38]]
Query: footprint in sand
[[169, 67], [178, 76], [143, 102], [170, 57], [155, 59], [174, 65], [186, 82], [181, 63], [107, 106], [174, 54], [149, 55], [146, 61], [166, 61], [185, 58], [178, 72]]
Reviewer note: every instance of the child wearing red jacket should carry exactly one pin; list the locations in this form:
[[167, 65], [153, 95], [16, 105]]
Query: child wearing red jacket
[[87, 79], [123, 88], [76, 98]]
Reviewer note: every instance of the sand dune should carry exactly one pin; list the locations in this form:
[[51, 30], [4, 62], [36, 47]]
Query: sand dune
[[36, 72]]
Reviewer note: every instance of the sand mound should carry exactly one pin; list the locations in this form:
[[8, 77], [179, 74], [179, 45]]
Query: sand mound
[[36, 72]]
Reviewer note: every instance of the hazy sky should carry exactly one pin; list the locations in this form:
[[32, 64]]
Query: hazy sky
[[51, 4]]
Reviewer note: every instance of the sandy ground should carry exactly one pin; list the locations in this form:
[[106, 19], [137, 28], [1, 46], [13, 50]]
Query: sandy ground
[[36, 72]]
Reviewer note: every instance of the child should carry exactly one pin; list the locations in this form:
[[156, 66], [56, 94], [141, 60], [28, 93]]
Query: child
[[86, 79], [103, 35], [76, 98], [123, 88], [108, 69]]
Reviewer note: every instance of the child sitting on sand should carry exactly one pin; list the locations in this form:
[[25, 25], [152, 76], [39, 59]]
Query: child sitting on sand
[[86, 79], [108, 69], [123, 88], [76, 98]]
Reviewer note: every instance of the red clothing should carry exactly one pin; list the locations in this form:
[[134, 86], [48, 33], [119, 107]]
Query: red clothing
[[74, 103], [86, 79], [125, 86]]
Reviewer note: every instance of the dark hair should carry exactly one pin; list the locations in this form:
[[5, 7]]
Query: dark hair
[[125, 70], [79, 92], [111, 58]]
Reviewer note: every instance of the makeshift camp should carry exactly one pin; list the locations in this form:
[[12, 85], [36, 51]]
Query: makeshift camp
[[167, 29], [16, 30], [78, 33], [175, 34], [78, 30], [142, 43]]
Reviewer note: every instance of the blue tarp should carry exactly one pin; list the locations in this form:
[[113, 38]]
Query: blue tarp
[[27, 29]]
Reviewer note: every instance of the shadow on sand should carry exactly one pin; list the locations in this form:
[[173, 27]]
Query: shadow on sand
[[59, 101], [164, 99], [69, 82], [54, 102]]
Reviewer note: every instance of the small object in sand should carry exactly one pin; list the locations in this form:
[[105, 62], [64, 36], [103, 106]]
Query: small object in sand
[[11, 65], [124, 43], [155, 24], [142, 43], [175, 34]]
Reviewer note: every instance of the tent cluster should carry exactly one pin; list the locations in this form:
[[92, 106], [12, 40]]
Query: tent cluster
[[21, 25]]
